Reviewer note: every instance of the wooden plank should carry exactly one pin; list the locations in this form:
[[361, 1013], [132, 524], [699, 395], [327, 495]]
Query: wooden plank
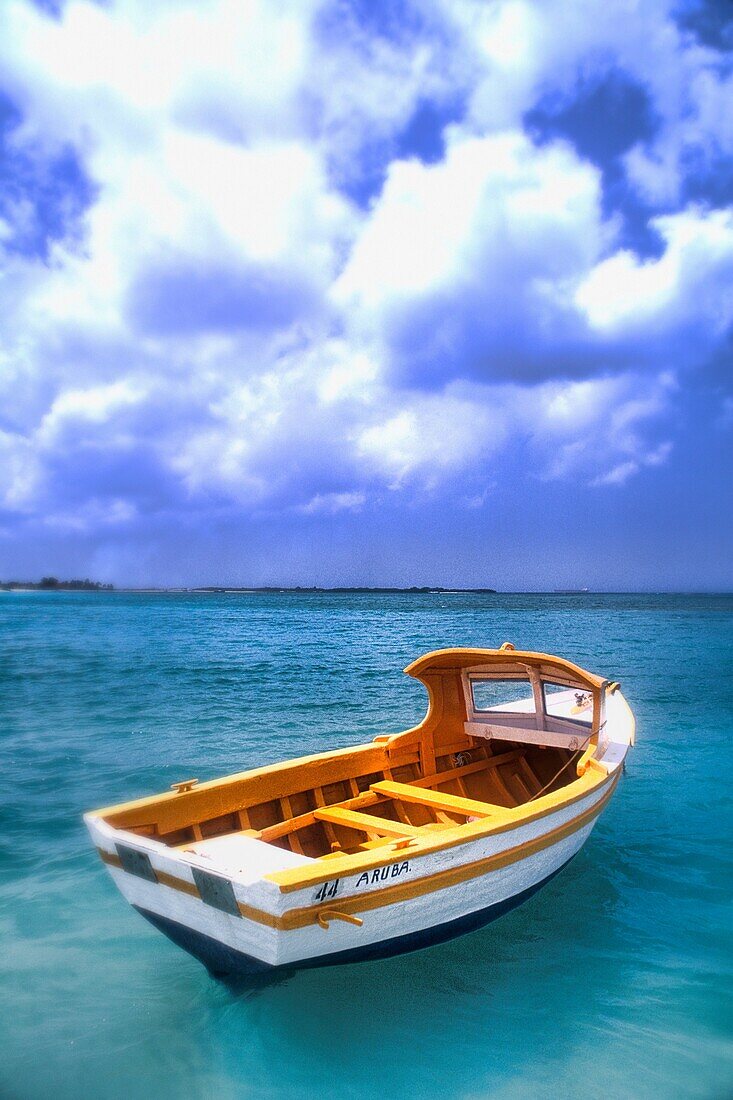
[[410, 754], [459, 872], [436, 799], [489, 731], [427, 752], [532, 779], [468, 769], [369, 798], [521, 782], [302, 821], [462, 787], [327, 826], [501, 781], [401, 812], [287, 812], [366, 823]]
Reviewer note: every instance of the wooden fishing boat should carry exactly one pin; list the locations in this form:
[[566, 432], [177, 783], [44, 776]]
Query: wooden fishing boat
[[390, 846]]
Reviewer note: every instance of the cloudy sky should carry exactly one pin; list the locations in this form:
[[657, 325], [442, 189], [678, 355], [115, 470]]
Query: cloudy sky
[[367, 291]]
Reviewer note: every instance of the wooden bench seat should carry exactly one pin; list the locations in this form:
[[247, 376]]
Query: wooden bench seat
[[437, 800], [365, 823], [481, 765]]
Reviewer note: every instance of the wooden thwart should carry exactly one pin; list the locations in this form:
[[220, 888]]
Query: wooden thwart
[[438, 800], [366, 823], [302, 821], [468, 769]]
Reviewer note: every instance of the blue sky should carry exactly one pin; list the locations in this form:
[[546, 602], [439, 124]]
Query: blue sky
[[358, 292]]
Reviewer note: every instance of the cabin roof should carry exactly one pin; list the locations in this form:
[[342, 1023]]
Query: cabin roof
[[450, 660]]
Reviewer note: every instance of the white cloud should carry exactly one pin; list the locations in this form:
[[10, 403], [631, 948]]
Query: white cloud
[[689, 283], [620, 473], [465, 263], [19, 472], [430, 438], [695, 138], [531, 48], [433, 220], [330, 503], [93, 515], [93, 406], [603, 430], [132, 62]]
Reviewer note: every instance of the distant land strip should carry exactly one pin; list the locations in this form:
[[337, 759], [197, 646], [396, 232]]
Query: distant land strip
[[357, 588], [52, 584]]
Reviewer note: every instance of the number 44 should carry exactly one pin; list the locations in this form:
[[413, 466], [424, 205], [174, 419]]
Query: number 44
[[328, 890]]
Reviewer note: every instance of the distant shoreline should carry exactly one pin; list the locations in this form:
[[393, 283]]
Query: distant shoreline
[[93, 586], [53, 584], [414, 590]]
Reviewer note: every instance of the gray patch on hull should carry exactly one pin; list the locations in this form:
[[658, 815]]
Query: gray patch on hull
[[216, 891], [136, 863]]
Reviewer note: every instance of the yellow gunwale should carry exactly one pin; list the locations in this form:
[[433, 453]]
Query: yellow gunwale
[[301, 917], [212, 787]]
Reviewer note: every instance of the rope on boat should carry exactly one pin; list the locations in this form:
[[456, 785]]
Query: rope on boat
[[574, 758], [611, 689]]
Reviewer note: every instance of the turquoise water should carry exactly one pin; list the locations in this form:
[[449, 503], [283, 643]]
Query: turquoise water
[[614, 981]]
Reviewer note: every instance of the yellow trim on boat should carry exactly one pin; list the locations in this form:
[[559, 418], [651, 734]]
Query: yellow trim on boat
[[234, 792], [326, 915]]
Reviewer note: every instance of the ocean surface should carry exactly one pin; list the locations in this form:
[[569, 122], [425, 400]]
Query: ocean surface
[[613, 981]]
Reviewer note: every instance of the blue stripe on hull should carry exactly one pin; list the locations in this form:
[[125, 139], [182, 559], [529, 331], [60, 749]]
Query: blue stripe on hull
[[222, 960]]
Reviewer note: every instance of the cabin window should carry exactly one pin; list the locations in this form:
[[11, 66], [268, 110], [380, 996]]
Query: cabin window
[[505, 695], [571, 704]]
